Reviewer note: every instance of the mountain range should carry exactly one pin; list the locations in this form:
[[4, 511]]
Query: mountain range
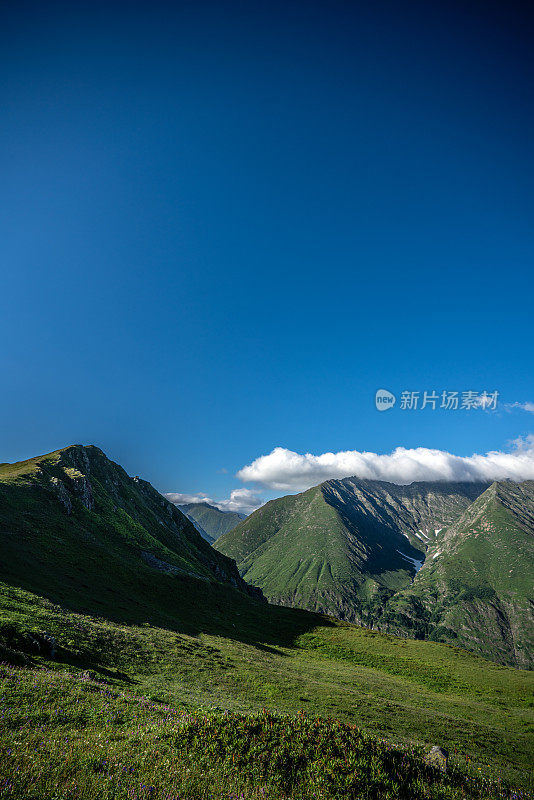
[[450, 562], [453, 562], [209, 520]]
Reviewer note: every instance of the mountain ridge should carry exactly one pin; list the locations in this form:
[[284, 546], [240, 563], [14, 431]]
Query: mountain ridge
[[114, 532], [476, 588]]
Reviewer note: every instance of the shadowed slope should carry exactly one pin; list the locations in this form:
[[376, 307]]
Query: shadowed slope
[[75, 528]]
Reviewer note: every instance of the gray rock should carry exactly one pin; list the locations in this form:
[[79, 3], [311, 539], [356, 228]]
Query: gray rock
[[89, 675], [438, 758], [84, 491], [62, 493], [48, 644], [31, 643]]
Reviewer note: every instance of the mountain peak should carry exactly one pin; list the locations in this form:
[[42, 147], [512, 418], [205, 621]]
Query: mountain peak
[[80, 527]]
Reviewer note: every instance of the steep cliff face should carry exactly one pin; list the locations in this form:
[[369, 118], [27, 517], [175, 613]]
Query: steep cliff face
[[75, 527]]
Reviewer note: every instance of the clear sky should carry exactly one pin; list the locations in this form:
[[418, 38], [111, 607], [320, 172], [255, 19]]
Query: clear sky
[[225, 225]]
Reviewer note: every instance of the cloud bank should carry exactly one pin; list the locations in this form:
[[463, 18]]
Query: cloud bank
[[244, 501], [284, 470]]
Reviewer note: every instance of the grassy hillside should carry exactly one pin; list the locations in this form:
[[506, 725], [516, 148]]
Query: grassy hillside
[[298, 549], [209, 521], [476, 588], [64, 737], [76, 528], [449, 562], [259, 656]]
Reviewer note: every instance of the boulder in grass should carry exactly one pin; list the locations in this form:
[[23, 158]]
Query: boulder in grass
[[89, 675], [48, 644], [438, 758]]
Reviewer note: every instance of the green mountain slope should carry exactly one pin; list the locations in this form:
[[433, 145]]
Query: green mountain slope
[[345, 545], [245, 656], [450, 562], [476, 588], [210, 521], [76, 528]]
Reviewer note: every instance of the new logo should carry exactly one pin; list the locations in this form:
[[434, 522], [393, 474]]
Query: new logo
[[384, 400]]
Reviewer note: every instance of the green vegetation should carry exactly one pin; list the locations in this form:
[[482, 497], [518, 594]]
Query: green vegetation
[[63, 737], [406, 691], [336, 546], [301, 552], [476, 589], [74, 527]]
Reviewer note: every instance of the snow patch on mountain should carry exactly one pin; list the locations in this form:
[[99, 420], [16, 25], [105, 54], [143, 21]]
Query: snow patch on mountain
[[416, 563]]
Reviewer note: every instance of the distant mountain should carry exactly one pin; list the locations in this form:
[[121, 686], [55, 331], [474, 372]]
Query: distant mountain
[[447, 561], [338, 545], [75, 528], [210, 521]]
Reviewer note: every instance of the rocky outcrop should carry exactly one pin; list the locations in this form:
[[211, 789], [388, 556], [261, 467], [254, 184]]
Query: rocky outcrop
[[164, 566], [84, 492], [73, 485], [62, 494], [438, 758]]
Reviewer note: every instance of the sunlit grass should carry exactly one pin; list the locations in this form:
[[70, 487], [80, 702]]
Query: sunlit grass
[[405, 691], [62, 737]]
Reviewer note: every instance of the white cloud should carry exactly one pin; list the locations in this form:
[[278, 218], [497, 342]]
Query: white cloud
[[183, 499], [523, 406], [524, 443], [244, 501], [284, 470]]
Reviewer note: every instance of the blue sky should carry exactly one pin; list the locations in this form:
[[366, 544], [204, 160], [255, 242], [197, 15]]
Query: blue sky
[[226, 225]]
